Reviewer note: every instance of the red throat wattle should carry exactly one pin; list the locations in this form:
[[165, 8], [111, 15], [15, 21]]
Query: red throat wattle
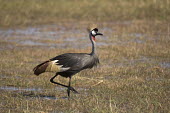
[[93, 38]]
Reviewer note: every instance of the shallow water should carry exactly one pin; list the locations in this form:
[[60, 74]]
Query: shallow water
[[11, 88], [165, 64], [32, 43], [32, 35], [30, 95]]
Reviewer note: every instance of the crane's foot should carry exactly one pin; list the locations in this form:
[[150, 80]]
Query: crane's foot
[[72, 89]]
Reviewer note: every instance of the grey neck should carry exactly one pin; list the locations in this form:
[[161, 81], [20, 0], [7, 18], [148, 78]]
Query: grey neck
[[93, 52]]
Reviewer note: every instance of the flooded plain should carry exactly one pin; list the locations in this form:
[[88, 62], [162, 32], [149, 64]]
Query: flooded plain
[[58, 36], [134, 61]]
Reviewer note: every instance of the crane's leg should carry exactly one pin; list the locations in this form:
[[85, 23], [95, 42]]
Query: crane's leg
[[69, 86], [52, 81]]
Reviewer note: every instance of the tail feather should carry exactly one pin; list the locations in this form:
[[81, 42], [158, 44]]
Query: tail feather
[[41, 68]]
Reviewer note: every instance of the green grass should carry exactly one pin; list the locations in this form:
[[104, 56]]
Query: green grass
[[31, 12]]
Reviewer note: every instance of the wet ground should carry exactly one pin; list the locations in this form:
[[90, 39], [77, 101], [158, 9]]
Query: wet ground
[[57, 36], [51, 36], [31, 92]]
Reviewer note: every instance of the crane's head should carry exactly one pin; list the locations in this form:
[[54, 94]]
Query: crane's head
[[94, 33]]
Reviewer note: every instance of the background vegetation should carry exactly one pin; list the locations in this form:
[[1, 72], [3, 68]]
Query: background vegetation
[[31, 12], [133, 76]]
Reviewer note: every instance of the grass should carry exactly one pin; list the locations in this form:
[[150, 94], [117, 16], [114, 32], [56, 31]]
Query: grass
[[23, 13], [130, 78], [133, 75]]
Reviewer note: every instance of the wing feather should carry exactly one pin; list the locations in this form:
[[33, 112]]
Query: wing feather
[[70, 62], [49, 66], [41, 68]]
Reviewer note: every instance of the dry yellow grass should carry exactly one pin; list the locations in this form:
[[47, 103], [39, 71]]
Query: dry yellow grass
[[21, 12], [133, 75]]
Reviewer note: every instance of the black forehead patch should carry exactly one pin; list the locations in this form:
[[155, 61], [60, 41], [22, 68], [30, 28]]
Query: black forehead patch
[[95, 29]]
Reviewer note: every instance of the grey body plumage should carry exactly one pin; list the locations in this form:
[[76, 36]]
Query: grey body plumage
[[75, 62], [69, 64]]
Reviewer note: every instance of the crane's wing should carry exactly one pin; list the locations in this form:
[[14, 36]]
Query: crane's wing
[[72, 61], [76, 61], [61, 63]]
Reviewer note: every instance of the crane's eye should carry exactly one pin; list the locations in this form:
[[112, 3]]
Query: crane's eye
[[93, 32]]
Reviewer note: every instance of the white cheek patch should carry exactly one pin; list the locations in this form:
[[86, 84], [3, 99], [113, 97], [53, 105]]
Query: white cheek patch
[[93, 32]]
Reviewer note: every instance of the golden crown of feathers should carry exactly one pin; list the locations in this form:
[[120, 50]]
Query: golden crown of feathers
[[91, 27]]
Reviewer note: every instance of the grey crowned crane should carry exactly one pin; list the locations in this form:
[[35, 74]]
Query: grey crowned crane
[[68, 64]]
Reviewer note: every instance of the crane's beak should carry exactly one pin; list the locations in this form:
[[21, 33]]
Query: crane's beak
[[99, 34]]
